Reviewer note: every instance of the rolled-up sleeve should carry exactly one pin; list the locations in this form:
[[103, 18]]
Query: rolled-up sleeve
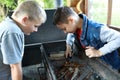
[[70, 38], [112, 39]]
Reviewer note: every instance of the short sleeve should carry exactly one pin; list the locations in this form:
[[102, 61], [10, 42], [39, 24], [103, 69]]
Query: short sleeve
[[12, 48]]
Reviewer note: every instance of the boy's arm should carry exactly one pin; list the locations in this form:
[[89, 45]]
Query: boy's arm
[[16, 71], [112, 37], [70, 39], [69, 42]]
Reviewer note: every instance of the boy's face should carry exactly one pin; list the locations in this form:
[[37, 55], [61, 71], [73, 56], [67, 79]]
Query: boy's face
[[31, 26], [69, 27]]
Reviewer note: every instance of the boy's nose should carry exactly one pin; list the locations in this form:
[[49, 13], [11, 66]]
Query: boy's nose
[[65, 31], [36, 29]]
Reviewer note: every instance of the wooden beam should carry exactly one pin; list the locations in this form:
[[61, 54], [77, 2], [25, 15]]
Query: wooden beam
[[86, 7], [109, 12]]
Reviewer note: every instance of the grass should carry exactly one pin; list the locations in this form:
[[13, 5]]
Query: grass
[[100, 11]]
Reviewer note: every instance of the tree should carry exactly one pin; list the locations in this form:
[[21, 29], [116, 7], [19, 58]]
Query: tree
[[6, 6], [10, 5]]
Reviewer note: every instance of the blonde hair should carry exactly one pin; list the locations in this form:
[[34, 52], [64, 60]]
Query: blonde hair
[[32, 9]]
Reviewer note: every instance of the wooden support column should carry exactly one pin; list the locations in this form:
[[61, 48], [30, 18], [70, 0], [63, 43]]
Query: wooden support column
[[109, 12], [86, 7], [77, 5]]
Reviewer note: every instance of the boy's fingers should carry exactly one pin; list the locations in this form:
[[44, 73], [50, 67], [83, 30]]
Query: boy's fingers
[[68, 55], [89, 47], [90, 56]]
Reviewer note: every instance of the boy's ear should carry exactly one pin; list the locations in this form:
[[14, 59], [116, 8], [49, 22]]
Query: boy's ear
[[70, 19], [25, 19]]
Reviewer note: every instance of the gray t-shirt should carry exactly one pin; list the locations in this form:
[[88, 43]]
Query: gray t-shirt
[[11, 46]]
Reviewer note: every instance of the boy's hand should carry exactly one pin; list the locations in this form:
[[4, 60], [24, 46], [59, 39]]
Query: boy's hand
[[68, 52], [92, 52]]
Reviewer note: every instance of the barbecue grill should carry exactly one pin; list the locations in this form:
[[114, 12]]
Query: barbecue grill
[[44, 58]]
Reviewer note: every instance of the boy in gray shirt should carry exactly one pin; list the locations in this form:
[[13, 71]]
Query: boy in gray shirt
[[26, 18]]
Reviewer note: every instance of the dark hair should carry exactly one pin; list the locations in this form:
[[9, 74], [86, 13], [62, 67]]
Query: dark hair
[[61, 15]]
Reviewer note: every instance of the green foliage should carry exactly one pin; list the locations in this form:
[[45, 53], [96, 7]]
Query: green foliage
[[8, 3], [6, 6], [49, 3], [100, 14]]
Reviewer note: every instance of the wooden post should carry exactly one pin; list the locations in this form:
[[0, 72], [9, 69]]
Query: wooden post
[[86, 7], [77, 5], [109, 12]]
